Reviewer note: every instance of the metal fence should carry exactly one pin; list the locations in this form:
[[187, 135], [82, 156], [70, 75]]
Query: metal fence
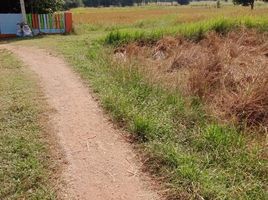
[[47, 23], [8, 23]]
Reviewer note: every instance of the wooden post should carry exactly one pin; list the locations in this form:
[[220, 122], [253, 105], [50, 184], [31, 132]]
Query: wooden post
[[23, 11]]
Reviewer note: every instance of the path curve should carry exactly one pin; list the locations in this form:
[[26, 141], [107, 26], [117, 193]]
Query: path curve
[[101, 165]]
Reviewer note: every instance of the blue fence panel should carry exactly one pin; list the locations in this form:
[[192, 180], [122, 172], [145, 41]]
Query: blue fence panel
[[8, 23]]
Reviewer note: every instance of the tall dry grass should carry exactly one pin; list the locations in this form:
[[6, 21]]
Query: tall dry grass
[[154, 16], [228, 73]]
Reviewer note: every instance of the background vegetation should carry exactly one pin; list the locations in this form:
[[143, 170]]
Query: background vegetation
[[189, 152], [48, 6]]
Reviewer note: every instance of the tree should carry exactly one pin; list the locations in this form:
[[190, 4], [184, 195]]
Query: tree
[[32, 6], [138, 2], [43, 6], [107, 3], [245, 3], [73, 4], [127, 2], [183, 2], [218, 4]]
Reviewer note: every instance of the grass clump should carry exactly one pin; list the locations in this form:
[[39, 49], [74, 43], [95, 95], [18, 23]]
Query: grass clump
[[194, 30], [193, 156], [229, 80], [117, 37], [24, 159]]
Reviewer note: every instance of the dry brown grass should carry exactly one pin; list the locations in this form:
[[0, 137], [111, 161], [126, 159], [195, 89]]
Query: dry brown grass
[[189, 14], [119, 16], [228, 73]]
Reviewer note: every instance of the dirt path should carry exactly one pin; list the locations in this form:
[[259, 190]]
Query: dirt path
[[101, 165]]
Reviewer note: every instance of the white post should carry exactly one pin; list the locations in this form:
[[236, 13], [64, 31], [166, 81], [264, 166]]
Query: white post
[[23, 11]]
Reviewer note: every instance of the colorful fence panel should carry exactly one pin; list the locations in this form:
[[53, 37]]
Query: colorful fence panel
[[47, 23], [39, 23]]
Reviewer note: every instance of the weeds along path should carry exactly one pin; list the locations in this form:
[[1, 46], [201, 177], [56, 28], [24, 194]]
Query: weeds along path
[[101, 165]]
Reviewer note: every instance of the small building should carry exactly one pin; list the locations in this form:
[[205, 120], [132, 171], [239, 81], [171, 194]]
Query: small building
[[10, 15], [13, 12]]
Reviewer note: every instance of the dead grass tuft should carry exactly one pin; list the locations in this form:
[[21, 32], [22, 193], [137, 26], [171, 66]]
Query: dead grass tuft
[[206, 78], [228, 73], [250, 103]]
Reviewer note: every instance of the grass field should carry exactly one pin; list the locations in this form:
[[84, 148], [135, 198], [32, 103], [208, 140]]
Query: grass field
[[192, 154], [25, 162], [130, 16], [151, 18]]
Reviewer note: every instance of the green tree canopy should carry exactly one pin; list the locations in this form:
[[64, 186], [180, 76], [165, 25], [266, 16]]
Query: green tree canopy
[[73, 4], [32, 6], [183, 2], [43, 6], [106, 3], [244, 3]]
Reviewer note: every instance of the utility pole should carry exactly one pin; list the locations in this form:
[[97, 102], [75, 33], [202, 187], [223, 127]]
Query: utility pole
[[23, 11]]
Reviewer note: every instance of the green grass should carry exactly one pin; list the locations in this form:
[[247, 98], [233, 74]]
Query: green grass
[[194, 30], [193, 155], [24, 157]]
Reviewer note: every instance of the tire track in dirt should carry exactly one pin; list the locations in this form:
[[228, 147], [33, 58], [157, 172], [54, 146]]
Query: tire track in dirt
[[101, 165]]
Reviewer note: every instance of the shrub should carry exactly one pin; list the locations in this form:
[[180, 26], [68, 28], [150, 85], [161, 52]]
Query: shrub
[[183, 2]]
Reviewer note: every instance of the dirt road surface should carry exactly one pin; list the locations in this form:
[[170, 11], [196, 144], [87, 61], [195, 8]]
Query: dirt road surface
[[101, 165]]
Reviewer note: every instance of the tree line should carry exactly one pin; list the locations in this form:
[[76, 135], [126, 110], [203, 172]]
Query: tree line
[[47, 6], [107, 3]]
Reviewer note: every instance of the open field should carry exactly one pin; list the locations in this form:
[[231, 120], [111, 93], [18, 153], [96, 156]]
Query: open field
[[25, 162], [150, 18], [130, 16], [133, 58]]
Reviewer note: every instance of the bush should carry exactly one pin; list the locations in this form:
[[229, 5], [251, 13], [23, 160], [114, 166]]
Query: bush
[[73, 4], [183, 2], [244, 3], [44, 6]]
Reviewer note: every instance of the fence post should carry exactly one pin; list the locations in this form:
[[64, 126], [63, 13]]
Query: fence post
[[68, 22]]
